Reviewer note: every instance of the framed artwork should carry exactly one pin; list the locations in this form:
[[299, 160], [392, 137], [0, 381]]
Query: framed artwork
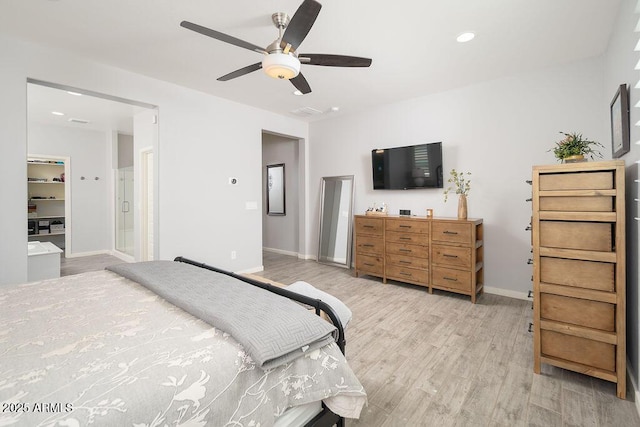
[[620, 122], [275, 190]]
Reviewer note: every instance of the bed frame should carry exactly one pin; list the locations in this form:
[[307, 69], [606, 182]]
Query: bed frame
[[326, 417]]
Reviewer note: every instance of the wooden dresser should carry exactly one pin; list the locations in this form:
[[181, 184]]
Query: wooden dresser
[[579, 269], [439, 253]]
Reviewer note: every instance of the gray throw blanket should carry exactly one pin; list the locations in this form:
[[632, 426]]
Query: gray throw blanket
[[274, 330]]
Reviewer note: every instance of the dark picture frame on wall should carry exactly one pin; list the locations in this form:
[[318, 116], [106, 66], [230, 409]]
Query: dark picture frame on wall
[[620, 122]]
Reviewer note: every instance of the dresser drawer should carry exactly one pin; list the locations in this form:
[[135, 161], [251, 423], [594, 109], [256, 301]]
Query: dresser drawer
[[408, 226], [407, 250], [577, 273], [451, 232], [577, 181], [371, 226], [407, 261], [587, 236], [580, 350], [451, 255], [577, 204], [369, 264], [406, 274], [453, 279], [369, 245], [399, 237], [581, 312]]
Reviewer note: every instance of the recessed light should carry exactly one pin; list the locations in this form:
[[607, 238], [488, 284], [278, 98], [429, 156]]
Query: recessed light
[[74, 93], [465, 37], [335, 109], [57, 113], [297, 92]]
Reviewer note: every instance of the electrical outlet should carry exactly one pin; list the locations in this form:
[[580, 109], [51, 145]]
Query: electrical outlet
[[233, 254]]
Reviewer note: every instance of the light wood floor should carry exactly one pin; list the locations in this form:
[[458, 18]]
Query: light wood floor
[[69, 266], [438, 360]]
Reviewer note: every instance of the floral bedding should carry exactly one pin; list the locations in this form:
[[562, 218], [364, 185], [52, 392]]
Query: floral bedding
[[99, 349]]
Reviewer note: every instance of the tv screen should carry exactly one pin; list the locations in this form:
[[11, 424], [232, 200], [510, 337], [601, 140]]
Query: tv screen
[[403, 168]]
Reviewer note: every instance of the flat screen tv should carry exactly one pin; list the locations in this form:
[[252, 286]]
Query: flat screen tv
[[403, 168]]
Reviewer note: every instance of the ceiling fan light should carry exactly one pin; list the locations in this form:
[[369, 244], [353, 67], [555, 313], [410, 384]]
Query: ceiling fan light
[[281, 66]]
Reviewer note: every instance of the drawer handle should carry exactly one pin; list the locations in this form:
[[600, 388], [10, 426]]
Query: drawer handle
[[404, 226], [449, 232], [529, 228], [405, 262], [368, 226], [451, 279], [405, 238], [405, 250], [530, 327], [367, 245], [530, 294], [528, 200], [529, 261], [369, 264], [450, 256], [405, 274]]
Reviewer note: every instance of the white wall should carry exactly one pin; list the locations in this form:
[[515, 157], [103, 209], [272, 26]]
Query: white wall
[[203, 141], [621, 60], [496, 130], [280, 233], [90, 198]]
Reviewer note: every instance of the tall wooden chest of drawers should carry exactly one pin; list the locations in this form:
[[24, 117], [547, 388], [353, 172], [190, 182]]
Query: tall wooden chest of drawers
[[579, 269], [442, 253]]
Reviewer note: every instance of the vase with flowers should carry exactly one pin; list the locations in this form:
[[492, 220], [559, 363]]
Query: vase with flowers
[[574, 148], [462, 185]]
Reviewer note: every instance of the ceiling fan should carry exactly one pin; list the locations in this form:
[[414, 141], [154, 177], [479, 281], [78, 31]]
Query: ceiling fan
[[281, 60]]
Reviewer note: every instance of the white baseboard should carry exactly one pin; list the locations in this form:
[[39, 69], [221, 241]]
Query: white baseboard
[[250, 270], [123, 257], [507, 293], [281, 251], [90, 253]]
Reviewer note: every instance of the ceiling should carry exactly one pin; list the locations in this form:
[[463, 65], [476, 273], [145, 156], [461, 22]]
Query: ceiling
[[412, 43], [57, 107]]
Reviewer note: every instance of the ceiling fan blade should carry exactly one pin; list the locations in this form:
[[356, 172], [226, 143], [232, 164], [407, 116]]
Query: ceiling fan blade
[[300, 24], [333, 60], [221, 36], [301, 83], [241, 72]]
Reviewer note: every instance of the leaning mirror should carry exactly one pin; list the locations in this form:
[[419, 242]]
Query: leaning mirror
[[336, 220], [275, 190]]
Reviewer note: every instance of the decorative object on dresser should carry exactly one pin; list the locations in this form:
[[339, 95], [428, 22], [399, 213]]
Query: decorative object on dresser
[[462, 188], [579, 269], [381, 210], [437, 253], [575, 148]]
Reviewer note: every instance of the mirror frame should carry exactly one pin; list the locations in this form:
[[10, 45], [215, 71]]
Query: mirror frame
[[274, 189], [349, 242]]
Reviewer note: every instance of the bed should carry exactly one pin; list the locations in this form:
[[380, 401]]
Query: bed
[[101, 348]]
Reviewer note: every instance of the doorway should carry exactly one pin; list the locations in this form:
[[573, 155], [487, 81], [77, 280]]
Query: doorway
[[84, 126], [284, 234]]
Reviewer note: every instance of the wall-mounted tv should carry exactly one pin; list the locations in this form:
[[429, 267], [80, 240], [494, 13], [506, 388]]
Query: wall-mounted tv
[[403, 168]]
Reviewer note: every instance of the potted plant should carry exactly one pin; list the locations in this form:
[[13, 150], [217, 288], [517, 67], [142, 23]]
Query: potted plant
[[574, 148], [462, 185]]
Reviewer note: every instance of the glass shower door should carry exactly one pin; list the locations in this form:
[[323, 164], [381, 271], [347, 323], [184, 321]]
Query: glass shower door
[[124, 211]]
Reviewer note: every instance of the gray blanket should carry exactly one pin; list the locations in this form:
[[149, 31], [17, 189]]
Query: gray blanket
[[273, 329]]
